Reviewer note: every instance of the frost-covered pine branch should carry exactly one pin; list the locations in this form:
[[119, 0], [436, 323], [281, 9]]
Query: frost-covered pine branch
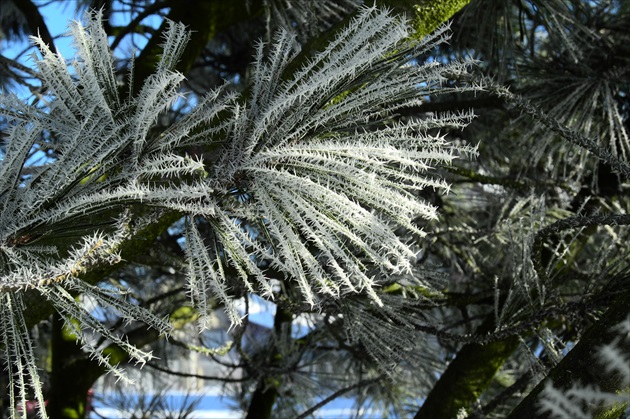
[[315, 161], [318, 164]]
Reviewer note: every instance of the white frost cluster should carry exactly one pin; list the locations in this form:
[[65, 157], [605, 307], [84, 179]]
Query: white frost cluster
[[313, 161]]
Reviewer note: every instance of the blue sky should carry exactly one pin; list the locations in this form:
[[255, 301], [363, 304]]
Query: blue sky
[[57, 15]]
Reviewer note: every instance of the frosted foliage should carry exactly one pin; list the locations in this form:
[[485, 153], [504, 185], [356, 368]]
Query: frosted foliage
[[21, 367], [312, 162], [326, 187]]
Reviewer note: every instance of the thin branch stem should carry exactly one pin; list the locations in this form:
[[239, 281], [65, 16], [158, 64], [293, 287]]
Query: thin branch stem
[[153, 8], [337, 394], [190, 375]]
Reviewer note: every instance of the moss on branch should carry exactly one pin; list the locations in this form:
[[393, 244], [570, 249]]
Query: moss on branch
[[470, 373], [426, 15], [579, 367]]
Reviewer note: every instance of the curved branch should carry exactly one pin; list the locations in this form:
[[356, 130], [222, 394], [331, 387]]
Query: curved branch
[[36, 23], [199, 376], [339, 393], [149, 10], [467, 376]]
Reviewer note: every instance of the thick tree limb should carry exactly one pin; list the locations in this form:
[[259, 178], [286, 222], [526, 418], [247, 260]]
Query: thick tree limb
[[205, 19], [579, 367], [36, 23], [467, 376]]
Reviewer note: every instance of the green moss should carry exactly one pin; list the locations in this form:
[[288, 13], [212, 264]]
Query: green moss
[[67, 333], [397, 289], [426, 15], [613, 412], [470, 373], [74, 413], [116, 355], [182, 316]]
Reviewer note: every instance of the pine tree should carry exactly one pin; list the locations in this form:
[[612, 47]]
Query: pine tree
[[333, 176]]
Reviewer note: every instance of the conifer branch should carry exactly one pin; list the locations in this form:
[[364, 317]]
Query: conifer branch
[[570, 135]]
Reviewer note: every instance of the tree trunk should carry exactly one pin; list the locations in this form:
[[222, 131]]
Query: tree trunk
[[579, 367], [264, 398], [467, 376], [70, 381]]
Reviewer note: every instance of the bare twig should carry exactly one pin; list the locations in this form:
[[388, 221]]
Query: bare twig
[[339, 393]]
